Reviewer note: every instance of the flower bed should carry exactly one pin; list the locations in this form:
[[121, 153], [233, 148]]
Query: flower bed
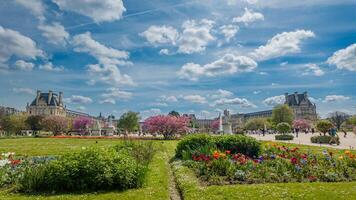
[[275, 164], [120, 167], [284, 137]]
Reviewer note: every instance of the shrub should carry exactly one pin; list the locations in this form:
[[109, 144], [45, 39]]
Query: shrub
[[88, 170], [325, 139], [238, 144], [202, 143], [324, 126], [283, 127], [192, 143], [142, 151], [284, 137]]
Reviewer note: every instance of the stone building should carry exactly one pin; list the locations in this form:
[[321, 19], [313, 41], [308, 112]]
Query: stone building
[[51, 103], [302, 107], [4, 111], [47, 104]]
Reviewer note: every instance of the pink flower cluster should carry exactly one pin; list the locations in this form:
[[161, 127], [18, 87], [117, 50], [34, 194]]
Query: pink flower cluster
[[166, 125]]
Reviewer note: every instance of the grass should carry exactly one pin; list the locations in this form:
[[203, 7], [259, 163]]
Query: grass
[[157, 183], [155, 187]]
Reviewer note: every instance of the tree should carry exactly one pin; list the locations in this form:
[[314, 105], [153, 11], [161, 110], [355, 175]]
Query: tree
[[168, 126], [14, 124], [337, 118], [283, 127], [34, 122], [350, 123], [301, 124], [174, 113], [257, 124], [282, 113], [82, 124], [129, 122], [324, 126], [215, 125], [55, 124]]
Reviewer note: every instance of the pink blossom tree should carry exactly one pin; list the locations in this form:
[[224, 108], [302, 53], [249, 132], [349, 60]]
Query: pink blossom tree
[[82, 123], [302, 124], [214, 125], [168, 126], [56, 124]]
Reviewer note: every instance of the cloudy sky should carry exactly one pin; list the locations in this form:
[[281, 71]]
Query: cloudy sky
[[193, 56]]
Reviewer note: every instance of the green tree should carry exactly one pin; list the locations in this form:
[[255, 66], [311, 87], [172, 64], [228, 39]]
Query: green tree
[[257, 123], [283, 127], [56, 124], [13, 124], [129, 122], [337, 118], [174, 113], [324, 126], [282, 113], [34, 122]]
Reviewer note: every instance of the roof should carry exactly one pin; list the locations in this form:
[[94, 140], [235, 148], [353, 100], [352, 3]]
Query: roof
[[295, 99], [44, 97]]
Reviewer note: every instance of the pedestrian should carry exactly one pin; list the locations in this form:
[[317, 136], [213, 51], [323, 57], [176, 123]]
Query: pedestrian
[[296, 131], [313, 130], [345, 133], [334, 136]]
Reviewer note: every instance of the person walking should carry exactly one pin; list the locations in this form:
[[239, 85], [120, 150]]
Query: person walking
[[334, 136]]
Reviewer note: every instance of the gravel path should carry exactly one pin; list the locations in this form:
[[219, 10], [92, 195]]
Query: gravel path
[[345, 143]]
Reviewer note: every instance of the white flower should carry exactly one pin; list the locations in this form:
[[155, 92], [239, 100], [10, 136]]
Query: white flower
[[4, 162]]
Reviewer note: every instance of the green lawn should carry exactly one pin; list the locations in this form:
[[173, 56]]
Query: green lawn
[[157, 183]]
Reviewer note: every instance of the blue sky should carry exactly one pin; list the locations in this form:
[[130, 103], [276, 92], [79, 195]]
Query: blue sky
[[198, 57]]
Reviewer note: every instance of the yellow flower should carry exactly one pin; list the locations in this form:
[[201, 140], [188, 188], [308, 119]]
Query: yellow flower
[[341, 157], [347, 152]]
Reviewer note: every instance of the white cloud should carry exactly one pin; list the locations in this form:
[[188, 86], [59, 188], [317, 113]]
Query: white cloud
[[235, 2], [98, 10], [257, 92], [222, 94], [164, 52], [107, 101], [77, 99], [81, 108], [160, 35], [168, 98], [108, 74], [235, 101], [272, 101], [228, 64], [107, 70], [195, 36], [14, 43], [105, 55], [229, 31], [115, 93], [344, 58], [282, 44], [249, 16], [150, 112], [23, 91], [23, 65], [35, 6], [313, 69], [283, 63], [50, 67], [195, 99], [55, 33], [335, 98]]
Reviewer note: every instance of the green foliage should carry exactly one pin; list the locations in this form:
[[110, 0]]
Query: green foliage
[[284, 137], [13, 124], [192, 143], [283, 127], [34, 122], [203, 142], [88, 170], [174, 113], [282, 113], [257, 124], [129, 121], [324, 126], [325, 139], [142, 151], [238, 144]]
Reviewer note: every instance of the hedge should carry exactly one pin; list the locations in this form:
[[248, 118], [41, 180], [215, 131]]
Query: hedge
[[324, 139], [284, 137]]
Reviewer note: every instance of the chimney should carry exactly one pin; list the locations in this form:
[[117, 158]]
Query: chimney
[[38, 96], [305, 94], [50, 93], [60, 98], [286, 96], [296, 97]]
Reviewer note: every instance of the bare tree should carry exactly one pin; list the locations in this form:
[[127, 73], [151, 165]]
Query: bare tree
[[337, 118]]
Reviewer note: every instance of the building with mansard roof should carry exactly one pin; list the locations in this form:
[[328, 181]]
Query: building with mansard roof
[[302, 107], [50, 103]]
